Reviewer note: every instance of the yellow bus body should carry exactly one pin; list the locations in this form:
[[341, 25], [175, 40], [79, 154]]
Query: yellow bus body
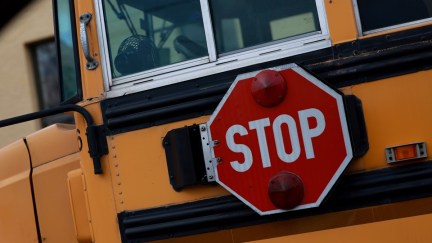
[[51, 172]]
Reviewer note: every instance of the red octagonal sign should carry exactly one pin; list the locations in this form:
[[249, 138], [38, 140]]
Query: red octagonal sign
[[281, 139]]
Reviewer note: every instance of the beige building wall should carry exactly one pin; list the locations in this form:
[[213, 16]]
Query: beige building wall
[[18, 93]]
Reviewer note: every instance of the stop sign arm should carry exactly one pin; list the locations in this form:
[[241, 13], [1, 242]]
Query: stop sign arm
[[188, 149], [185, 157]]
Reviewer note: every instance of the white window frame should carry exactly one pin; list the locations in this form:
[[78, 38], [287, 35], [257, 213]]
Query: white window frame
[[210, 64], [384, 29]]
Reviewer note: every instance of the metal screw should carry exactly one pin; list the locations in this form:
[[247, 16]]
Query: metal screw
[[203, 128]]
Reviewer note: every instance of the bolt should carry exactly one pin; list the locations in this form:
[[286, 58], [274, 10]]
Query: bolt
[[203, 128]]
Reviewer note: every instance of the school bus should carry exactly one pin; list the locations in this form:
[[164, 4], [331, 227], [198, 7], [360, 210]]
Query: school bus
[[142, 79]]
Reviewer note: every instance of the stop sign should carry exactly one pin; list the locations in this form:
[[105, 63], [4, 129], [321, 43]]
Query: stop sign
[[280, 134]]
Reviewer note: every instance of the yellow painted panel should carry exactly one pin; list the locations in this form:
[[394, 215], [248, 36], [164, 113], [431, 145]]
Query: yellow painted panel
[[92, 80], [101, 200], [52, 199], [79, 206], [411, 229], [17, 220], [141, 173], [397, 111], [341, 20], [14, 159], [51, 143]]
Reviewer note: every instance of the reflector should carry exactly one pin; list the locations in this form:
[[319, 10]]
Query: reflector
[[406, 152]]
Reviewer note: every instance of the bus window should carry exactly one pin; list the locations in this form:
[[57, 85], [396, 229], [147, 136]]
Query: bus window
[[158, 40], [246, 23], [375, 16], [144, 35]]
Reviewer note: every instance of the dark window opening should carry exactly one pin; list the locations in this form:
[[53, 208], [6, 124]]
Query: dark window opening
[[241, 24], [386, 13], [47, 81]]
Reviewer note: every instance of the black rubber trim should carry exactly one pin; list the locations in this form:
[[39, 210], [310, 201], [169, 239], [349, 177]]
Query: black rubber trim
[[342, 65], [387, 185], [33, 193]]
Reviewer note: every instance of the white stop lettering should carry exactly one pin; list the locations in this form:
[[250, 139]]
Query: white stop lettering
[[259, 126]]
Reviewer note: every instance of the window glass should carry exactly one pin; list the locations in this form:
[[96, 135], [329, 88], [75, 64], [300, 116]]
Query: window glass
[[143, 35], [245, 23], [47, 81], [70, 83], [385, 13]]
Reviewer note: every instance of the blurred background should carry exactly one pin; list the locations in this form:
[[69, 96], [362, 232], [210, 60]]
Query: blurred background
[[28, 66]]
